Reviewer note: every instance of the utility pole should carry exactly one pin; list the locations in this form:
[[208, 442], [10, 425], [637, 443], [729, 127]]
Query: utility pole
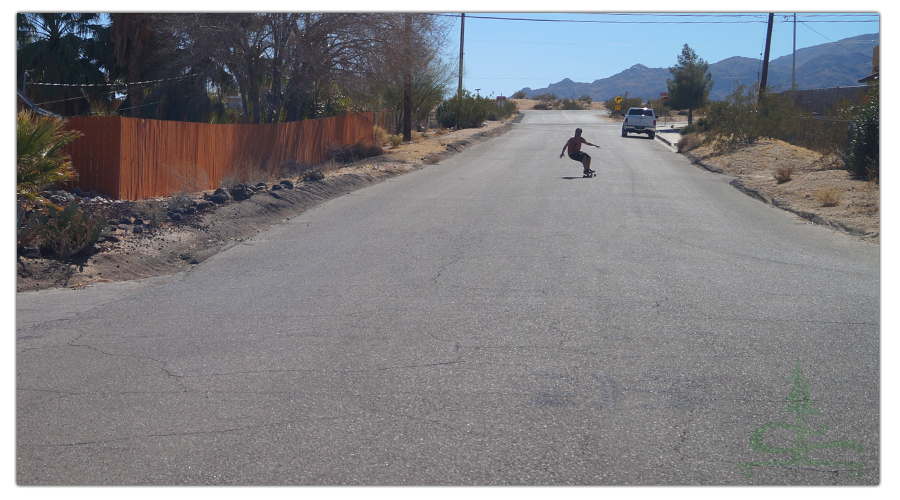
[[794, 60], [765, 68], [462, 36]]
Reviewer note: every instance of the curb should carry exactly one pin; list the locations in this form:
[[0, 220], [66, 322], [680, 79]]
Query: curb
[[777, 202]]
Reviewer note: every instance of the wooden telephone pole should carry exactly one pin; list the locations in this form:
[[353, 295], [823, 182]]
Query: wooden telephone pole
[[765, 68], [462, 36]]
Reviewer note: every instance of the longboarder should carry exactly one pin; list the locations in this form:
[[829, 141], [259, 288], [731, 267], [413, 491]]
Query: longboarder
[[575, 152]]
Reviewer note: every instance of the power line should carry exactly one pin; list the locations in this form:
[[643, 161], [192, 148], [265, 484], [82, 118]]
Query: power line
[[111, 84], [756, 18]]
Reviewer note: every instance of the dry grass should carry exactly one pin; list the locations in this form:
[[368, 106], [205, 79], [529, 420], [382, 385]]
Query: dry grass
[[828, 197], [689, 142], [783, 174]]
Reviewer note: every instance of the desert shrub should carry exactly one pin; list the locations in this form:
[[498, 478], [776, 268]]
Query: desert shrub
[[861, 157], [541, 105], [465, 111], [627, 102], [28, 229], [396, 140], [509, 108], [570, 104], [70, 231], [783, 174], [151, 211], [520, 94], [229, 182], [354, 152], [180, 201], [740, 120], [689, 142], [829, 197], [381, 135]]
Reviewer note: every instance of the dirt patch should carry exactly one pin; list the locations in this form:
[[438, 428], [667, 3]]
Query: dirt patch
[[856, 213], [169, 247]]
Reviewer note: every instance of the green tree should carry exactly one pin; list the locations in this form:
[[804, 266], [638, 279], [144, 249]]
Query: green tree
[[133, 36], [690, 83], [40, 159], [66, 50]]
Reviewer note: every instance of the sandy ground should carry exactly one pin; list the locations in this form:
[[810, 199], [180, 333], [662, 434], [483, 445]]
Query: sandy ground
[[857, 211], [171, 247]]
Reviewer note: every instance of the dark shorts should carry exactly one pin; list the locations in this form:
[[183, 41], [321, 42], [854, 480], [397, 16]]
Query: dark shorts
[[579, 155]]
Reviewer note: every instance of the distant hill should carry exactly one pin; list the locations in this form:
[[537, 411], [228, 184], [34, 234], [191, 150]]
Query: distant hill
[[837, 64]]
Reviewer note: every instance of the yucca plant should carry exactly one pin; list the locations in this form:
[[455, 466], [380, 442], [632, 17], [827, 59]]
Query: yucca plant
[[40, 159]]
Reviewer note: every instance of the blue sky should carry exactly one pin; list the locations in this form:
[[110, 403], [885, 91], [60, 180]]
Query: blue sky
[[502, 56]]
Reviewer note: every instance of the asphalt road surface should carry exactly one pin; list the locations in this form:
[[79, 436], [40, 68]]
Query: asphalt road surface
[[494, 319]]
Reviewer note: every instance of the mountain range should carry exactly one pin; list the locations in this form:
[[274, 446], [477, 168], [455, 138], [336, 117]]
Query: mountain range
[[836, 64]]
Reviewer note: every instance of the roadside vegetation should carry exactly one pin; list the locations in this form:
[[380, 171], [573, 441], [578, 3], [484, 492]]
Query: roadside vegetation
[[467, 111], [41, 162], [849, 130]]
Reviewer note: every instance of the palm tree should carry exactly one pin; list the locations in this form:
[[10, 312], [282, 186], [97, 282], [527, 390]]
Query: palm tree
[[40, 159], [132, 35], [62, 49]]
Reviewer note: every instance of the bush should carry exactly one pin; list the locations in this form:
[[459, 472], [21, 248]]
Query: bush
[[570, 104], [861, 158], [783, 174], [829, 197], [355, 152], [689, 142], [465, 111], [70, 231], [627, 102], [152, 212], [40, 159], [740, 120]]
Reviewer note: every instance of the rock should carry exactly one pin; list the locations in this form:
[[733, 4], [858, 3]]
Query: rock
[[277, 187], [138, 229], [201, 205], [175, 216], [219, 197], [262, 185], [30, 252], [138, 221], [287, 184], [241, 192], [112, 238], [314, 176], [125, 220]]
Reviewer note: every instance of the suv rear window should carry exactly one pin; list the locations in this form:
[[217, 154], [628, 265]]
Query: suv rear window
[[643, 112]]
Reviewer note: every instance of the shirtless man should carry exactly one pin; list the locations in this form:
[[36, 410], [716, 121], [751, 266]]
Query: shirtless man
[[575, 152]]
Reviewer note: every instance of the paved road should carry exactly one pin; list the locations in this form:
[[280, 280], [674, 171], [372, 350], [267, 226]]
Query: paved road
[[493, 319]]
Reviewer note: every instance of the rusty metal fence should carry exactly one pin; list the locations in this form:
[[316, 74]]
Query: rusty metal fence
[[131, 159]]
